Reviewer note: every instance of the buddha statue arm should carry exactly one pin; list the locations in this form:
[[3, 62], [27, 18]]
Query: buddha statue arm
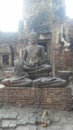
[[42, 53], [24, 55]]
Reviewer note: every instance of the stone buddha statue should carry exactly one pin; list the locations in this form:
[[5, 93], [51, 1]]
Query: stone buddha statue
[[34, 58], [35, 65]]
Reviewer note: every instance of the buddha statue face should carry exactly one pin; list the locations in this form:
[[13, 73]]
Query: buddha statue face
[[33, 37]]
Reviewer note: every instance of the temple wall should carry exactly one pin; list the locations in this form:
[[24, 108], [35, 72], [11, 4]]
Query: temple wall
[[64, 57], [52, 98], [64, 61]]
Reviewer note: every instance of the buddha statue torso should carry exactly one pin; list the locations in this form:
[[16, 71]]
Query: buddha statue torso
[[34, 55]]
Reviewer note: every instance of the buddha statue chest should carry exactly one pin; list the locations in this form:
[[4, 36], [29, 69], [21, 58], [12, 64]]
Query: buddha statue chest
[[33, 54]]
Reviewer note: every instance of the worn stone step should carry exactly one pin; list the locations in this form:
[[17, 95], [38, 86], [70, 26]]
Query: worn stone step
[[23, 128], [9, 123]]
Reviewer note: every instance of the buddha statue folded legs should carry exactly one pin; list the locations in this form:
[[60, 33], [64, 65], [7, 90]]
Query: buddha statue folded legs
[[20, 79], [37, 71], [17, 81], [50, 82]]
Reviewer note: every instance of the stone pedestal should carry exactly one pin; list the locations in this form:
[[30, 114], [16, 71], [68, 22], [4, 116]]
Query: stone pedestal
[[48, 98]]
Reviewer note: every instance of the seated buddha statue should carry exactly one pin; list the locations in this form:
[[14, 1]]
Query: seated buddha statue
[[35, 65], [34, 62]]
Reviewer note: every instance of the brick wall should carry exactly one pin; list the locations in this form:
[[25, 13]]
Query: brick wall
[[53, 98], [64, 60], [6, 74]]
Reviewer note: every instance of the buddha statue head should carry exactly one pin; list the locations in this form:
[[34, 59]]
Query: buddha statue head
[[33, 37]]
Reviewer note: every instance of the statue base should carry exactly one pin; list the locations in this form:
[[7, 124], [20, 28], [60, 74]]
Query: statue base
[[43, 97]]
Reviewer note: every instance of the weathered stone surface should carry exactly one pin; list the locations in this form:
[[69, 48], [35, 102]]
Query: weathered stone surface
[[9, 124], [5, 124], [56, 119], [26, 117], [32, 127], [9, 115], [9, 129], [13, 124], [32, 121], [22, 128], [41, 19], [68, 127], [24, 120], [55, 127]]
